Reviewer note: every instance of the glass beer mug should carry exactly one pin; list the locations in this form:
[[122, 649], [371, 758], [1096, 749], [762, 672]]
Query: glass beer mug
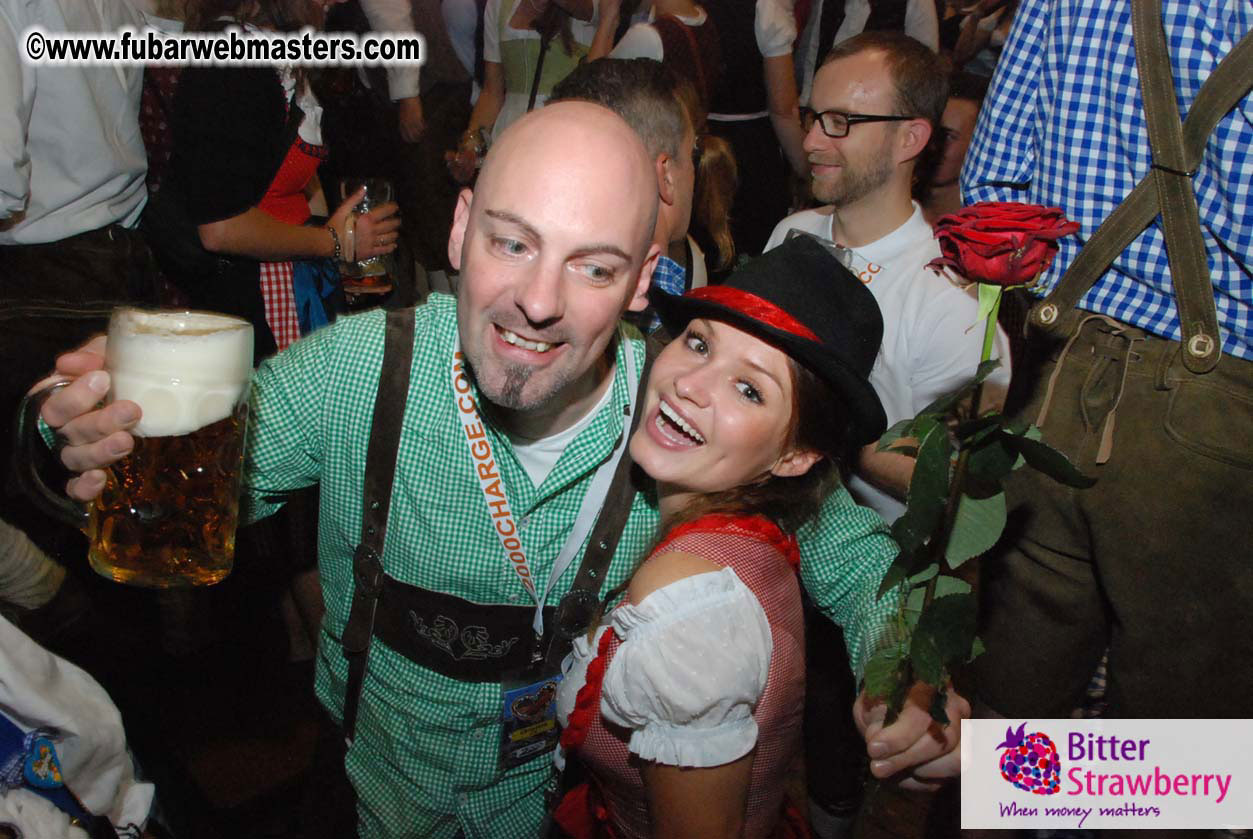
[[169, 509], [373, 271]]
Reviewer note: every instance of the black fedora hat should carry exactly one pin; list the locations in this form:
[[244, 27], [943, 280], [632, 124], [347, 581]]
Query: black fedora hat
[[801, 299]]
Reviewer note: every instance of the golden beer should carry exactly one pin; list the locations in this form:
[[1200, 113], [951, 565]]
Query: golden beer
[[168, 512]]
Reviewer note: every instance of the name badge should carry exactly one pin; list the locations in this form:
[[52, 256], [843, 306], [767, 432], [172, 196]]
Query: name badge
[[528, 718]]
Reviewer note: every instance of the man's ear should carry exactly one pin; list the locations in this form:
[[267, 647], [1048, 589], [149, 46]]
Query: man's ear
[[795, 463], [457, 236], [665, 178], [912, 139], [639, 298]]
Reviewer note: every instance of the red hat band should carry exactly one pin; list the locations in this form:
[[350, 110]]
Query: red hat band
[[757, 308]]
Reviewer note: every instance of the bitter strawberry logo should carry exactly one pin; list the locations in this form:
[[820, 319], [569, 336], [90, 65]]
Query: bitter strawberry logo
[[1030, 762]]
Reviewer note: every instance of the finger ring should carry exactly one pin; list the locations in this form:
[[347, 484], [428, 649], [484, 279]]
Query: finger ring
[[378, 242]]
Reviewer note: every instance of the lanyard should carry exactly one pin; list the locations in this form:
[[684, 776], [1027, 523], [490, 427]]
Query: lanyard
[[492, 487]]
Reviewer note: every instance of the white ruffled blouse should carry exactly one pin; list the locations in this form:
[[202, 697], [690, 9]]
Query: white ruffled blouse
[[691, 668]]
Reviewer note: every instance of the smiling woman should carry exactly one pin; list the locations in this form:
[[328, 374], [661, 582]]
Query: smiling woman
[[685, 702]]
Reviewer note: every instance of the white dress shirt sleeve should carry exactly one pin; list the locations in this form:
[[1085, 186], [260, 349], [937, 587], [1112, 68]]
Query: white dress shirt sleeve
[[17, 95], [922, 24], [396, 16], [775, 27], [491, 30], [640, 41]]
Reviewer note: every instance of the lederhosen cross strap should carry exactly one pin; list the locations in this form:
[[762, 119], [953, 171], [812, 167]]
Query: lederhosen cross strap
[[457, 638], [1177, 147]]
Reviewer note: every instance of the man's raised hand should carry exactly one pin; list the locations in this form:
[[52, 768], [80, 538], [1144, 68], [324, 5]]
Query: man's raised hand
[[93, 435]]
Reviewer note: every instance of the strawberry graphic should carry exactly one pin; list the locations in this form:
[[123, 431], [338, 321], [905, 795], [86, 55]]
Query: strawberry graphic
[[1030, 762]]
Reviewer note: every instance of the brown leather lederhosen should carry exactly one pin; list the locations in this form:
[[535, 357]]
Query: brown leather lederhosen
[[466, 641]]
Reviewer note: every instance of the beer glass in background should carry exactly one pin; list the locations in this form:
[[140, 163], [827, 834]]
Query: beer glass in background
[[378, 191], [168, 512]]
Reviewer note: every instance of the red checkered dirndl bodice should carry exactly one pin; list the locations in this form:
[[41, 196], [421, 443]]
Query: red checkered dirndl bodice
[[764, 561], [285, 200]]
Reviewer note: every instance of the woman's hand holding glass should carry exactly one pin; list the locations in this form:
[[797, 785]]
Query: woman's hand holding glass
[[369, 234]]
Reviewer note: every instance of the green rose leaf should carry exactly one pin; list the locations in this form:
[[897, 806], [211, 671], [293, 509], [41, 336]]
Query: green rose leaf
[[928, 489], [906, 565], [976, 649], [896, 432], [1050, 461], [924, 654], [991, 460], [972, 432], [947, 630], [978, 525], [884, 672]]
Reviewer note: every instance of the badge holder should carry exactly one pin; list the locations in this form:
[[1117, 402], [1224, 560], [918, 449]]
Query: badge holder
[[528, 713]]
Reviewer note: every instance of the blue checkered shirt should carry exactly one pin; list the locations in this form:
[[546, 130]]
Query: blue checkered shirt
[[1064, 126], [670, 277]]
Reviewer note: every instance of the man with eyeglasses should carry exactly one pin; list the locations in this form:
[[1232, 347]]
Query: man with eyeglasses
[[876, 104]]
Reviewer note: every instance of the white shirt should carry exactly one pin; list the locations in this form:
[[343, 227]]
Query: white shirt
[[71, 155], [458, 18], [774, 27], [931, 340], [644, 41], [41, 690], [538, 457], [921, 23], [691, 667]]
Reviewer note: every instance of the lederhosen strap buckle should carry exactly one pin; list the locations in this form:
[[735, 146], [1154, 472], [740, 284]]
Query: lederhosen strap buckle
[[1177, 147]]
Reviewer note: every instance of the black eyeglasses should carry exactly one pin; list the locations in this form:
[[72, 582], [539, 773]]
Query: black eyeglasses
[[837, 123]]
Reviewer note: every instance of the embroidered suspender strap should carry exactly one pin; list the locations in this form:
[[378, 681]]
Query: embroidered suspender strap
[[380, 467], [1177, 149], [579, 605]]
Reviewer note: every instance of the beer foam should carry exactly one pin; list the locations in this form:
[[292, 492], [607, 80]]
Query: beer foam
[[186, 370]]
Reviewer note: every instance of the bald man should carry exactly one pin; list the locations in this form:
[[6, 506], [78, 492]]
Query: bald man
[[488, 511]]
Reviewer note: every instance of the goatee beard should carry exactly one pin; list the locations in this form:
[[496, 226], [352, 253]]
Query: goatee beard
[[511, 392]]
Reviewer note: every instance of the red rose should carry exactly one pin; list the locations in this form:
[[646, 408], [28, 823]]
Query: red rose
[[1001, 242]]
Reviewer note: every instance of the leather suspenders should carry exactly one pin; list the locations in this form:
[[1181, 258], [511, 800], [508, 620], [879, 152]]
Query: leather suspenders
[[455, 637], [1177, 147], [380, 467]]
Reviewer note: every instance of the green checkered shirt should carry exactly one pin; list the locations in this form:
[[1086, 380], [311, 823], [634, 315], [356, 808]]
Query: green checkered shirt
[[424, 760]]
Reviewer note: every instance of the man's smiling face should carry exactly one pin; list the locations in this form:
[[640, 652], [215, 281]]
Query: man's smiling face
[[552, 247]]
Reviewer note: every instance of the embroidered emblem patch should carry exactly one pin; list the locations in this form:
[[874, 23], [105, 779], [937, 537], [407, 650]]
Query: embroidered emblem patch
[[471, 643]]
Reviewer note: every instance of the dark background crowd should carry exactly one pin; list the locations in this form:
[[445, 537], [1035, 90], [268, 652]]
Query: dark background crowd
[[194, 187]]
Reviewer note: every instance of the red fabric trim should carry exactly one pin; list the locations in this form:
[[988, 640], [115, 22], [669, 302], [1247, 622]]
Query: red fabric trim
[[758, 527], [582, 814], [588, 697], [757, 308], [279, 299]]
